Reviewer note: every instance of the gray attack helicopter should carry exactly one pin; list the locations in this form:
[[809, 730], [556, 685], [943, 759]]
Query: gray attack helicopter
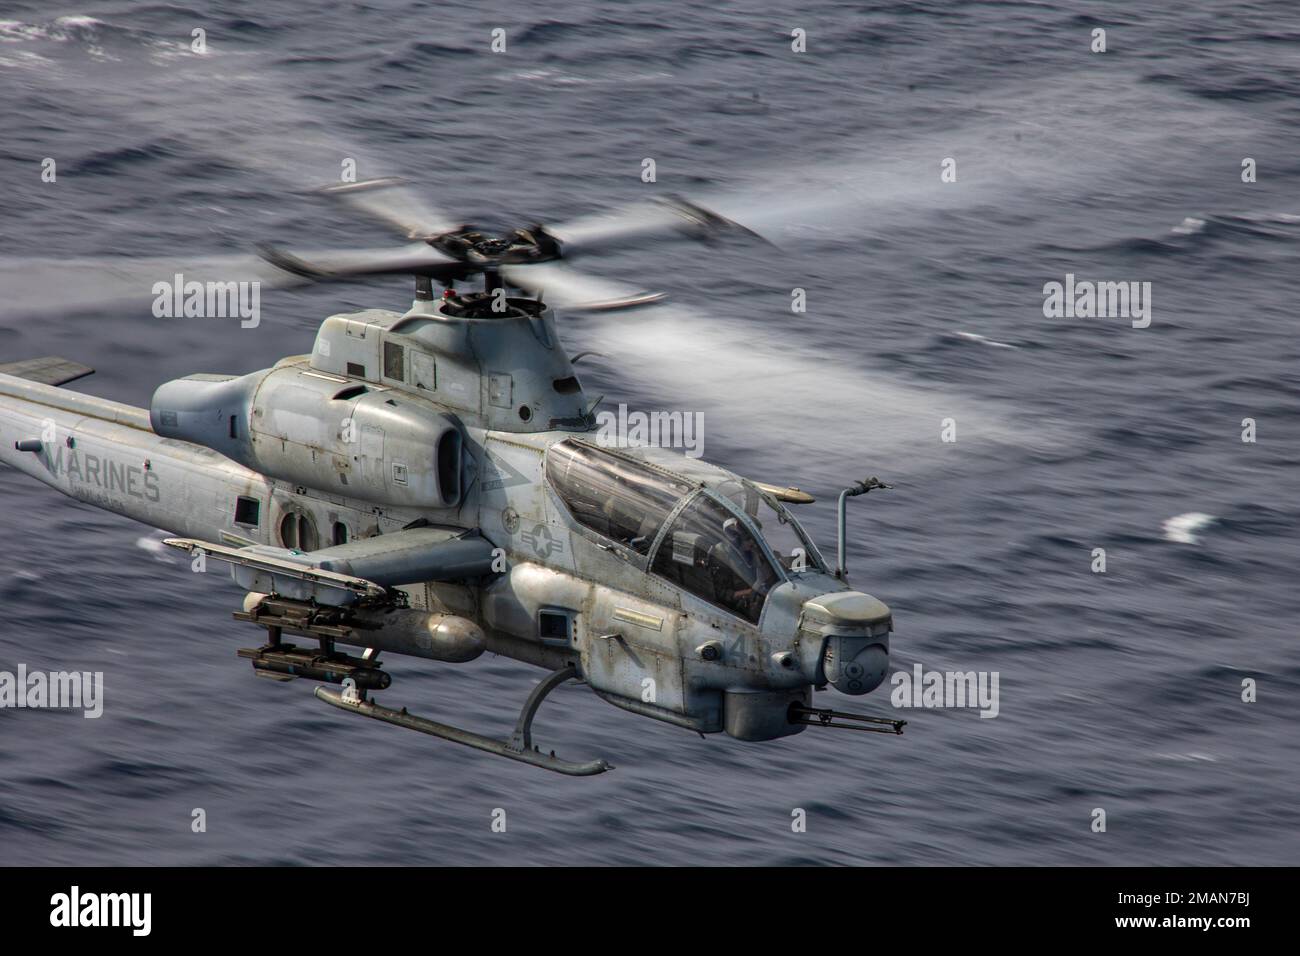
[[429, 483]]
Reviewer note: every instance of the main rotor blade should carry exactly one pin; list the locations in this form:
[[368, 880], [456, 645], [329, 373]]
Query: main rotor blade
[[42, 286], [562, 286], [668, 216], [391, 201], [324, 265]]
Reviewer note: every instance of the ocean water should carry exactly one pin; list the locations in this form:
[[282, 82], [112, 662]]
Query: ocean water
[[1120, 691]]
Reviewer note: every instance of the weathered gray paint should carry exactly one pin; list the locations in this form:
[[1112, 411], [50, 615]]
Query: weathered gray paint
[[177, 467]]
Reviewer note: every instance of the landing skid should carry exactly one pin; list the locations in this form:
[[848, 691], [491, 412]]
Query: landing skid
[[518, 747]]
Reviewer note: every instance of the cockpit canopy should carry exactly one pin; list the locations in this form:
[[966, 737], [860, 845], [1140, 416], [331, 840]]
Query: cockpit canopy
[[612, 495], [726, 542]]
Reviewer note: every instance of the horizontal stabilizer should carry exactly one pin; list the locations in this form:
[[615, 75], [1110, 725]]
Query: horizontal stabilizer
[[48, 370]]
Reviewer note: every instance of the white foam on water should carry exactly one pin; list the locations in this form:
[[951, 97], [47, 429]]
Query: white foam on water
[[984, 340], [59, 30], [75, 22], [1181, 529], [24, 59]]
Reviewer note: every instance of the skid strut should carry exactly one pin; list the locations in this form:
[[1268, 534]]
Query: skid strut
[[518, 747], [823, 717]]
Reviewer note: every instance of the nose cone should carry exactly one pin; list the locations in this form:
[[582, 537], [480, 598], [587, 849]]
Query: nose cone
[[850, 631]]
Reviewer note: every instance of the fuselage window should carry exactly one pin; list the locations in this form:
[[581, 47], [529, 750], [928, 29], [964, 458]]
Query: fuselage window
[[711, 553], [612, 496]]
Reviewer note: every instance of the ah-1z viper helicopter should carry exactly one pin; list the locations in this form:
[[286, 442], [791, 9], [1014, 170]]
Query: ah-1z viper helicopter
[[429, 483]]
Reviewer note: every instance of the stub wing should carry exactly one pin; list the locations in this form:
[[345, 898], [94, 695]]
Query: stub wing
[[281, 571], [48, 370], [359, 570]]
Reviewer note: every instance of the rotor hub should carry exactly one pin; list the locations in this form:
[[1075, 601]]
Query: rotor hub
[[485, 251]]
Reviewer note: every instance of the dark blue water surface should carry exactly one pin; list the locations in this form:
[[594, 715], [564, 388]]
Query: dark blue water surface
[[1119, 691]]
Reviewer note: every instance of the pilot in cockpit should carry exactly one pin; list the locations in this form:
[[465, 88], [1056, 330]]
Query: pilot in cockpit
[[738, 565]]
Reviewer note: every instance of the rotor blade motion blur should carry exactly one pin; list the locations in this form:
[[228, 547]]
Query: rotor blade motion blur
[[670, 216], [390, 201], [40, 286], [323, 265], [562, 286]]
